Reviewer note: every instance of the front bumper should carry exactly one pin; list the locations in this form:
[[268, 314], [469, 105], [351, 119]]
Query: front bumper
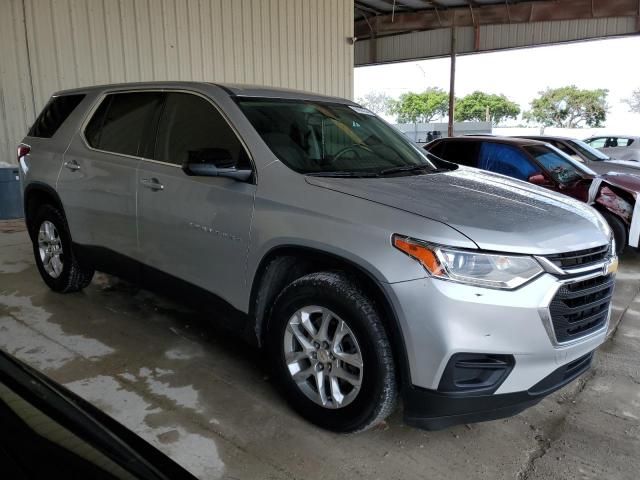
[[433, 410], [440, 319]]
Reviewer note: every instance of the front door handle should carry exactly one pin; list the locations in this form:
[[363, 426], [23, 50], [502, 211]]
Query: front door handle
[[152, 183], [72, 165]]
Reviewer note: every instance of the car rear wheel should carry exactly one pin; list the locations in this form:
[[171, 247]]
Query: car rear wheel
[[330, 353], [53, 250], [619, 230]]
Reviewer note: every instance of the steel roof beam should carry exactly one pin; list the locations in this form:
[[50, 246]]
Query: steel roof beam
[[503, 13]]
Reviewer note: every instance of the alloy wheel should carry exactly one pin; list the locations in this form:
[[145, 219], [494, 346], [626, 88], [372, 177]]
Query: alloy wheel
[[323, 357], [50, 248]]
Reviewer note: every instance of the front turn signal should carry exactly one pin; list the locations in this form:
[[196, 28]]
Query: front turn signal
[[419, 252]]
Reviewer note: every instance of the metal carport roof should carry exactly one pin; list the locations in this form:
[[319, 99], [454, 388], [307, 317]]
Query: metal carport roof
[[397, 30]]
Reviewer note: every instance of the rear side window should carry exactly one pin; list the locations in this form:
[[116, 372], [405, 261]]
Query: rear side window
[[53, 115], [192, 128], [462, 152], [124, 123], [507, 160]]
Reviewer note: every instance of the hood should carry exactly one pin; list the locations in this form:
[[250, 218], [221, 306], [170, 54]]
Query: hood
[[619, 166], [495, 212], [628, 182]]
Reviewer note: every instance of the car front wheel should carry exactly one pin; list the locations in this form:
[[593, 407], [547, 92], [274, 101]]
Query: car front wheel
[[331, 355], [619, 230]]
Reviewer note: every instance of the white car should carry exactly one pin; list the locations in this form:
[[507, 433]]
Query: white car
[[618, 147]]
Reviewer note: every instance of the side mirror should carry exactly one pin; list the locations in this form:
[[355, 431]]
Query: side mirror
[[214, 162], [539, 179]]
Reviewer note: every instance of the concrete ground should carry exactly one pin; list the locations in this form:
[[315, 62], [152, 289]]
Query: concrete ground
[[204, 398]]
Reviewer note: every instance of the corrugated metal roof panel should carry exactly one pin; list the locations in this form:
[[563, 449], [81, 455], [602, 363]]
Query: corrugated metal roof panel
[[495, 37], [426, 44], [435, 43]]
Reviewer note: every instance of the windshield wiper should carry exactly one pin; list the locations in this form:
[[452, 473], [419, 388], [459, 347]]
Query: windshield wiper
[[410, 168], [345, 174]]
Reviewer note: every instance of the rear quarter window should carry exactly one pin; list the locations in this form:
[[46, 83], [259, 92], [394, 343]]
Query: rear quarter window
[[53, 115]]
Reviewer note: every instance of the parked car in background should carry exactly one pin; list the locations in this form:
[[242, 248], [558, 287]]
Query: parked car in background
[[595, 159], [613, 195], [619, 147], [49, 432], [330, 239]]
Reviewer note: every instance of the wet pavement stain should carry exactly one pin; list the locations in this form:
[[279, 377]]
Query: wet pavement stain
[[204, 398]]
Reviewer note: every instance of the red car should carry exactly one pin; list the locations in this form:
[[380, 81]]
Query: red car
[[613, 195]]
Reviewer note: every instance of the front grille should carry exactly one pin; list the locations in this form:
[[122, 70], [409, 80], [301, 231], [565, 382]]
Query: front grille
[[580, 308], [581, 258]]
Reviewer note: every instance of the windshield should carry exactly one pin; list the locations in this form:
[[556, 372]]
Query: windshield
[[588, 151], [560, 166], [332, 139]]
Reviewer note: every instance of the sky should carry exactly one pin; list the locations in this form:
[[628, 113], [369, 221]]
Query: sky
[[521, 74]]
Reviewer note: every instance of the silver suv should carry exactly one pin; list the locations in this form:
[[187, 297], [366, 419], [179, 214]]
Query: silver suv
[[368, 270]]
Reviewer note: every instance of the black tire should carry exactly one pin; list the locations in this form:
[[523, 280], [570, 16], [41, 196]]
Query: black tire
[[377, 396], [74, 276], [619, 230]]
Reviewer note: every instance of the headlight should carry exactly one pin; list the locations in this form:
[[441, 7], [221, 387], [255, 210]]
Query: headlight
[[470, 267]]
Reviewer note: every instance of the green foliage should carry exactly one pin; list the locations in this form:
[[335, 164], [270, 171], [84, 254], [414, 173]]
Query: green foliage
[[634, 101], [376, 101], [423, 107], [569, 107], [474, 106]]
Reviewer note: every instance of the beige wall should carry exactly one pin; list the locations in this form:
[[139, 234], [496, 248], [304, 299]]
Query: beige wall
[[48, 45]]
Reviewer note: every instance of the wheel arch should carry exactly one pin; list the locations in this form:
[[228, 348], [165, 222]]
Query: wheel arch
[[284, 264], [35, 195]]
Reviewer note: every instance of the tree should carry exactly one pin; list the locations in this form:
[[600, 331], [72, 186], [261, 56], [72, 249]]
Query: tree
[[421, 107], [376, 101], [634, 101], [474, 107], [569, 107]]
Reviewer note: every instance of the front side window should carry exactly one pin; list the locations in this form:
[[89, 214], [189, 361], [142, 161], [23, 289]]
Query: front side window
[[122, 122], [313, 137], [507, 160], [53, 115], [191, 129], [561, 168], [596, 142], [620, 142]]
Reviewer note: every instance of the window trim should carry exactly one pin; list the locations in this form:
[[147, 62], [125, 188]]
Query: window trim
[[106, 93]]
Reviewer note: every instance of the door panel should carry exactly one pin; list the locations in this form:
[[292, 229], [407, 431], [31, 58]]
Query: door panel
[[98, 182], [195, 228], [98, 192]]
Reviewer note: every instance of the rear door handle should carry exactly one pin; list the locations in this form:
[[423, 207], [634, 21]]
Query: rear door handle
[[152, 183], [72, 165]]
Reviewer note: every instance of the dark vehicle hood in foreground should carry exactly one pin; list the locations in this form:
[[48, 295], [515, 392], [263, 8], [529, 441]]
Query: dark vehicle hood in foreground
[[46, 431], [495, 212]]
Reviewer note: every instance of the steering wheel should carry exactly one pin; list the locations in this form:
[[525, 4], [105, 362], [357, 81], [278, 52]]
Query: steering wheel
[[351, 148]]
